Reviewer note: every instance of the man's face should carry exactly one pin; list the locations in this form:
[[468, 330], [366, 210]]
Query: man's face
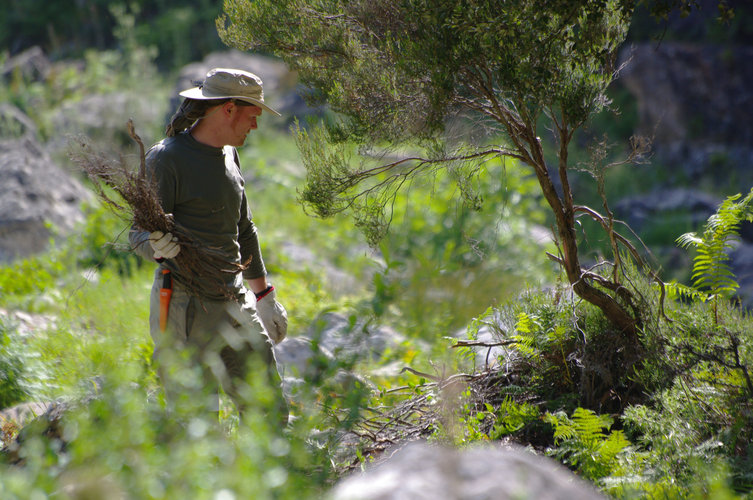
[[242, 121]]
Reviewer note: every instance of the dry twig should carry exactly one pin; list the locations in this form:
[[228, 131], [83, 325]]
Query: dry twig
[[138, 203]]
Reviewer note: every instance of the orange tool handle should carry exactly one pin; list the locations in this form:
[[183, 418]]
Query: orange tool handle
[[165, 293]]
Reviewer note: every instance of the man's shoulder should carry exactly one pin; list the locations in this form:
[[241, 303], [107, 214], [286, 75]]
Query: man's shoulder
[[166, 146], [165, 151]]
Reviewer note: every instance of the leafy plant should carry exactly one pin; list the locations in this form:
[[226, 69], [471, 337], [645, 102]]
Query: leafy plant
[[581, 442], [428, 86], [12, 385], [511, 417], [713, 278]]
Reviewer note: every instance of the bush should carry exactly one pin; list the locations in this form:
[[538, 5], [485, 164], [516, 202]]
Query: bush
[[12, 382]]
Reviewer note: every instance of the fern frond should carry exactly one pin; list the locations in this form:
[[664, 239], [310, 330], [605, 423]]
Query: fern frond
[[589, 425], [526, 329], [711, 270], [688, 240], [678, 290]]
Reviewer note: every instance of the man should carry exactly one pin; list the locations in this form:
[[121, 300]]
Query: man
[[198, 179]]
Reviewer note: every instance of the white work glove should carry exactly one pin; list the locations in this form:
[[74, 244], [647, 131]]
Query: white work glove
[[272, 315], [165, 245]]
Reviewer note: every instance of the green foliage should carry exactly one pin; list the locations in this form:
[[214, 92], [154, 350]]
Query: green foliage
[[399, 71], [711, 272], [511, 417], [107, 73], [27, 276], [12, 374], [103, 242], [539, 329], [438, 244], [408, 58], [180, 34], [424, 87], [692, 431], [582, 443]]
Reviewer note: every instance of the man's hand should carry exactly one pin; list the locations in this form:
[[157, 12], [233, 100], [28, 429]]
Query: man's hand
[[165, 245], [272, 315]]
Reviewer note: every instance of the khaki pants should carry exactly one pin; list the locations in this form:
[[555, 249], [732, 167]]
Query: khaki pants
[[223, 338]]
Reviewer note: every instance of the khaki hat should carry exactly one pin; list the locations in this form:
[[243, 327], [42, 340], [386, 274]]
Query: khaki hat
[[223, 83]]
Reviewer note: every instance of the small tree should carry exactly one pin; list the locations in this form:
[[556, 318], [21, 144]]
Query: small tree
[[399, 71]]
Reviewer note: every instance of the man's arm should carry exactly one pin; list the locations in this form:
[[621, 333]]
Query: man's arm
[[258, 285]]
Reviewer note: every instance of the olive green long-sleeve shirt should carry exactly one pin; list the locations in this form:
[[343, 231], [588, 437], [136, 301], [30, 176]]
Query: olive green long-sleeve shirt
[[203, 188]]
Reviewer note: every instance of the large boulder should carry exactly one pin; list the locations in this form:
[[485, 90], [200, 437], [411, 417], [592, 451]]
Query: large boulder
[[639, 211], [102, 119], [695, 101], [422, 471], [31, 64], [330, 341], [38, 199]]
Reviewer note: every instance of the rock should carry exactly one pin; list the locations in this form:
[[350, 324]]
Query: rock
[[25, 324], [422, 471], [695, 101], [691, 92], [34, 192], [490, 331], [39, 420], [639, 210], [93, 117], [32, 64], [330, 343], [342, 337], [21, 414]]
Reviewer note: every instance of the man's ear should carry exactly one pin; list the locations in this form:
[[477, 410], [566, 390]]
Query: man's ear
[[228, 107]]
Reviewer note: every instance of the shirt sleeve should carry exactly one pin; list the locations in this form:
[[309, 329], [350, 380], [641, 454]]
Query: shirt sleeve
[[248, 238], [249, 243]]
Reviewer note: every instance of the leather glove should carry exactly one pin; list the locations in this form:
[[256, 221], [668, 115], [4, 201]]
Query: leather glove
[[272, 315], [165, 245]]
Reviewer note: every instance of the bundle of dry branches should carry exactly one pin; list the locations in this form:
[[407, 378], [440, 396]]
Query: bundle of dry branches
[[141, 207]]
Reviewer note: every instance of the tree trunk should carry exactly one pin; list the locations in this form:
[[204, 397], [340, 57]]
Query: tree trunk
[[565, 219]]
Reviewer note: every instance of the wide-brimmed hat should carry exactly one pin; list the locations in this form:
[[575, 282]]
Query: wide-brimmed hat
[[224, 83]]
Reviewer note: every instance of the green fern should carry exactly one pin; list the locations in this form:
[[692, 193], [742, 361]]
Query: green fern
[[675, 290], [712, 276], [511, 417], [582, 442], [526, 329], [710, 266]]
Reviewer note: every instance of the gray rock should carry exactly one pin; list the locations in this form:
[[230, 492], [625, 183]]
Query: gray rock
[[640, 209], [299, 359], [484, 344], [342, 336], [93, 116], [691, 91], [421, 471], [295, 356], [34, 192], [300, 258], [32, 64], [695, 101]]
